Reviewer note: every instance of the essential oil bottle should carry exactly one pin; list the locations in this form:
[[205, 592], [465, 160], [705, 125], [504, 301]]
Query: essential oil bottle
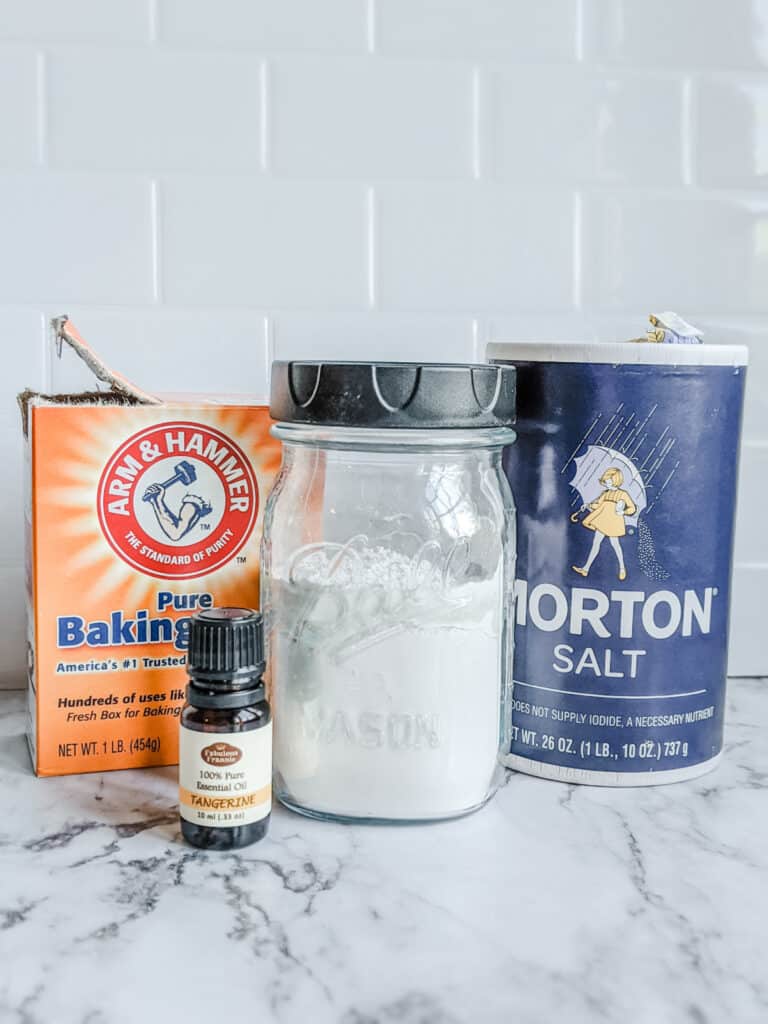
[[225, 741]]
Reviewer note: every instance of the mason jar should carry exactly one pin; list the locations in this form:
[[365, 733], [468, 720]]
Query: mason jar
[[387, 577]]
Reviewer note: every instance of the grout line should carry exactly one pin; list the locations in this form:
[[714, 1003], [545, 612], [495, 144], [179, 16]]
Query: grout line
[[41, 78], [476, 162], [264, 115], [49, 346], [551, 64], [154, 200], [687, 132], [646, 193], [153, 20], [370, 223], [580, 30], [269, 348], [370, 25], [577, 244], [476, 343], [756, 322]]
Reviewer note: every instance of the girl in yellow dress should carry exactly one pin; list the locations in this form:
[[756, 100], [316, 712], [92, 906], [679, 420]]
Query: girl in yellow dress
[[606, 519]]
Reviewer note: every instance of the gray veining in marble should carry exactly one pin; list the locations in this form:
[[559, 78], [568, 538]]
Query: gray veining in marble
[[554, 903]]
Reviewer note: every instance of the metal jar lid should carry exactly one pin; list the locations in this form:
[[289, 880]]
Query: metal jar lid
[[393, 395]]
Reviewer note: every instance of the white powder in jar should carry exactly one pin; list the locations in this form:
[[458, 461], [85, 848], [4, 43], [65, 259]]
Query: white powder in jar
[[386, 685]]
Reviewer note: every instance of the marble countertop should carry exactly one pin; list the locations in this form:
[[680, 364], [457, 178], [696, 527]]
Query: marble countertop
[[553, 903]]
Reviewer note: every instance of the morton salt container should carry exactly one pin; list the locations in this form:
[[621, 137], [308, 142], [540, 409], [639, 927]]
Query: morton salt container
[[624, 474], [387, 572]]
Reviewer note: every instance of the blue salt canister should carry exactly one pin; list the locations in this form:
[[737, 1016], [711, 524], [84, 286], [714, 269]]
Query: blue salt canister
[[624, 474]]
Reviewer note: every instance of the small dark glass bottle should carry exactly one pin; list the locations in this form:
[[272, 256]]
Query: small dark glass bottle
[[225, 740]]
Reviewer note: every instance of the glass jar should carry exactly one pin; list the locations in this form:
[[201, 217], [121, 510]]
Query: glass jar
[[387, 573]]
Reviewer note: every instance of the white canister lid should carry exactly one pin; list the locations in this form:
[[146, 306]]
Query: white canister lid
[[617, 352]]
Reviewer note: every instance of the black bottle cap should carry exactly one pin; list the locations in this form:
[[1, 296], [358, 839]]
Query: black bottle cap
[[393, 395], [226, 648]]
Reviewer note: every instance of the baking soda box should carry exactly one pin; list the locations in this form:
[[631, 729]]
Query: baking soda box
[[139, 511]]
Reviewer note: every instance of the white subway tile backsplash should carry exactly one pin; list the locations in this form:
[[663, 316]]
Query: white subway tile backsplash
[[731, 132], [198, 184], [667, 252], [364, 336], [502, 327], [751, 535], [469, 247], [245, 243], [746, 651], [11, 501], [584, 127], [74, 238], [624, 324], [358, 118], [153, 110], [18, 107], [678, 33], [337, 26], [13, 631], [167, 350], [754, 335], [525, 32], [96, 21], [24, 336]]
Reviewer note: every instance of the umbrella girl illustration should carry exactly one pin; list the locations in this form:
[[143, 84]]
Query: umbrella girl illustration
[[613, 493]]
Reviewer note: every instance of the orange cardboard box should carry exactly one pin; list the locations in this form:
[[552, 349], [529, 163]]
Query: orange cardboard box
[[139, 511]]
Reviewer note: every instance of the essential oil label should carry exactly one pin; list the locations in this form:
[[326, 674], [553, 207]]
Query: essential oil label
[[225, 778]]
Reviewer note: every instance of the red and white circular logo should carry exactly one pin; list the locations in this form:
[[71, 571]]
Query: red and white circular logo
[[177, 500]]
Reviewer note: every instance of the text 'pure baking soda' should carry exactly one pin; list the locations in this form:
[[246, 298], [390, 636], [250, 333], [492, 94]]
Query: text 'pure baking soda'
[[139, 512], [624, 474]]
